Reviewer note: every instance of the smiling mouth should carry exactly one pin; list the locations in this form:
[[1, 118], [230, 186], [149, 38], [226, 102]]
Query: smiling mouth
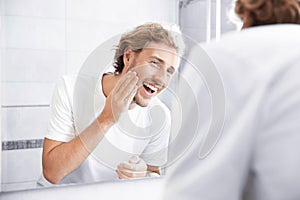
[[151, 89]]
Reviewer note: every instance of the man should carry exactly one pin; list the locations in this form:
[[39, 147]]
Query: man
[[257, 154], [86, 141]]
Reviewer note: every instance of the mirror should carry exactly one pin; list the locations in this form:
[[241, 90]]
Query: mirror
[[40, 42]]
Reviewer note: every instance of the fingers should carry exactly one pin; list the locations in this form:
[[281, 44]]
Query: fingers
[[131, 174], [129, 97], [135, 159], [135, 168], [126, 85], [121, 95], [130, 87], [125, 90], [121, 175], [124, 80]]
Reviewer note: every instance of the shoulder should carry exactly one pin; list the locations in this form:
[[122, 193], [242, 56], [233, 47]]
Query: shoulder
[[77, 85], [254, 56], [66, 82], [65, 87], [257, 40]]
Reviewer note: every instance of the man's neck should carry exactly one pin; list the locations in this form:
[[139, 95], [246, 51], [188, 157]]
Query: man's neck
[[108, 83]]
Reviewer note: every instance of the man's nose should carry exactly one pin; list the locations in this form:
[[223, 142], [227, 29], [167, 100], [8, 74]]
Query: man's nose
[[161, 77]]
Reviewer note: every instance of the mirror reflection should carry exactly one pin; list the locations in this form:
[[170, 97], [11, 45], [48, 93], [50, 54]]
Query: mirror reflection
[[43, 41], [113, 127]]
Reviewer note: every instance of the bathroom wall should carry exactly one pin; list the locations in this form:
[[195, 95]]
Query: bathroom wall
[[194, 15], [41, 40]]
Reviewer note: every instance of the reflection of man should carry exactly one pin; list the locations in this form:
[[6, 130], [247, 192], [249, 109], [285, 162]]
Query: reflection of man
[[145, 60], [257, 155]]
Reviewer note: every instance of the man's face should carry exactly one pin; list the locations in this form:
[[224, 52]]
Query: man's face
[[155, 66]]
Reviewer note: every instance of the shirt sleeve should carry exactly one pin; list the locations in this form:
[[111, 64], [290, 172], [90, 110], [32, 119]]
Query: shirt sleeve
[[155, 153], [61, 124]]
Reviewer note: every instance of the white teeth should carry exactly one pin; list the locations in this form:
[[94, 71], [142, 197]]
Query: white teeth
[[151, 87]]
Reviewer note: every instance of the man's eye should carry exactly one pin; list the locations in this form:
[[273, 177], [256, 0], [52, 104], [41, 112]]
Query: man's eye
[[155, 62]]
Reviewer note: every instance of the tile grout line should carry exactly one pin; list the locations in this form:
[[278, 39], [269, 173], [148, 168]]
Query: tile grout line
[[22, 144], [22, 106]]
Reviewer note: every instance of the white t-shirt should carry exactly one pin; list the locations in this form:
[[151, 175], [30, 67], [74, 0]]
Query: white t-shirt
[[257, 156], [143, 131]]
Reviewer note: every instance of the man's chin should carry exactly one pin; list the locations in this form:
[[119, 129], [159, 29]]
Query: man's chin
[[141, 103]]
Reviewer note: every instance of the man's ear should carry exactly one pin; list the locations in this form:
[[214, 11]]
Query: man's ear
[[128, 57]]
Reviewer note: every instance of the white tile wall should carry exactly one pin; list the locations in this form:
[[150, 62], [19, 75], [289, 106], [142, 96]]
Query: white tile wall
[[87, 35], [75, 59], [114, 11], [2, 36], [26, 93], [36, 8], [33, 65], [92, 22], [17, 123], [157, 10], [34, 33], [129, 12], [1, 7], [194, 16], [19, 166], [197, 34]]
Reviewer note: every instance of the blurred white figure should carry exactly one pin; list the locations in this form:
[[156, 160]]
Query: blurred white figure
[[257, 155]]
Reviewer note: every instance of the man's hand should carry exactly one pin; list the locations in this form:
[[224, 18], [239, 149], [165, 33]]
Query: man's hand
[[134, 168], [120, 97]]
